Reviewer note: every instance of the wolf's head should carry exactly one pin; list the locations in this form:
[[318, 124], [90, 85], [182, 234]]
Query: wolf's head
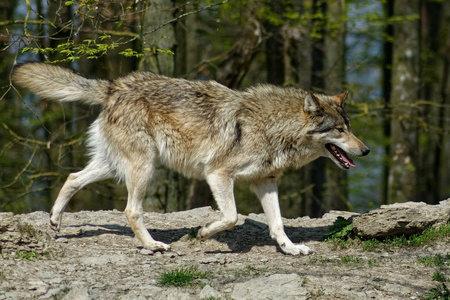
[[330, 129]]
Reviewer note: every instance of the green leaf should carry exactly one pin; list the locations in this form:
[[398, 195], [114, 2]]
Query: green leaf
[[341, 228]]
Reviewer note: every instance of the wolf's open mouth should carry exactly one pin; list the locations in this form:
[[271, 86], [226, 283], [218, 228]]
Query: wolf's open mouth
[[341, 156]]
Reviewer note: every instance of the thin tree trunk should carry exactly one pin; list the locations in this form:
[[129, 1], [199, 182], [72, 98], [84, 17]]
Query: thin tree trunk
[[387, 86], [404, 92], [336, 195]]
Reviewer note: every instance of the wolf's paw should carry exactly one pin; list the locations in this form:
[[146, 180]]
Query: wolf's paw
[[296, 249], [203, 233], [55, 223], [157, 246]]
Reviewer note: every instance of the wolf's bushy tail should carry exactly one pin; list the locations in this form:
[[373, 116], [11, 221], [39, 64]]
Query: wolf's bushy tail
[[58, 83]]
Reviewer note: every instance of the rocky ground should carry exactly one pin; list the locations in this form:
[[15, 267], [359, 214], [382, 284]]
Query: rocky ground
[[95, 256]]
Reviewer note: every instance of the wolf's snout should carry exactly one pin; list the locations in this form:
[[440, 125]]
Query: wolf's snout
[[365, 151]]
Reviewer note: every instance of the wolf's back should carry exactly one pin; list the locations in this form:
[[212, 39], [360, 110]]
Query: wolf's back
[[58, 83]]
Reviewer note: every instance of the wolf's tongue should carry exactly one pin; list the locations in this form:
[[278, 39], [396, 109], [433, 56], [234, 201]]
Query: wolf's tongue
[[345, 158], [340, 154]]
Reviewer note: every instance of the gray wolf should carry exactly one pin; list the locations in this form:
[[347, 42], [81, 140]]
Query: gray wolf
[[201, 129]]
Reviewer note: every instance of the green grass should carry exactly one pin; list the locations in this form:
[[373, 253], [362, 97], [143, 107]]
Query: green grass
[[344, 238], [184, 276], [350, 260], [248, 271], [27, 255], [437, 260], [347, 260], [438, 276], [192, 235], [439, 293]]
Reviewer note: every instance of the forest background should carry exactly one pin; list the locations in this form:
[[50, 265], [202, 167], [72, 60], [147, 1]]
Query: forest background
[[392, 56]]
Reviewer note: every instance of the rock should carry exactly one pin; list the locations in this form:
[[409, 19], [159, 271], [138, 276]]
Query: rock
[[79, 293], [277, 286], [178, 295], [401, 218], [208, 292]]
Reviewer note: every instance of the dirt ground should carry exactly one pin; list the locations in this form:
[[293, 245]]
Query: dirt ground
[[95, 256]]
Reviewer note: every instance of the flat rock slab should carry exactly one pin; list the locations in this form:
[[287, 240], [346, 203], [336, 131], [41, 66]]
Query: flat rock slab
[[277, 286], [401, 218]]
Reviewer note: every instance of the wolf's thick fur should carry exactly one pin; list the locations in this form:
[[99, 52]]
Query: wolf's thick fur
[[201, 129]]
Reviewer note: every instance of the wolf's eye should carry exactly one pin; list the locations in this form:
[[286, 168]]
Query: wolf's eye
[[340, 130]]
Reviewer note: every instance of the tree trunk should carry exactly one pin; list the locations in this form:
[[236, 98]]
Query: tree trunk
[[387, 86], [435, 31], [404, 92], [168, 191], [317, 169]]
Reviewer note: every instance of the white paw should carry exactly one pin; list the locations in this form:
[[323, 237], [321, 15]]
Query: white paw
[[55, 222], [203, 233], [157, 246], [293, 249]]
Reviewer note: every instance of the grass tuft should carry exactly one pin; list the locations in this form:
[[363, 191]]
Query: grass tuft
[[343, 238], [184, 276], [27, 255], [439, 293], [437, 260]]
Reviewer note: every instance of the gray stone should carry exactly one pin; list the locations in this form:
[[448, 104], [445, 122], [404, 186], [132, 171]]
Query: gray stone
[[178, 295], [78, 293], [209, 292], [401, 218], [277, 286]]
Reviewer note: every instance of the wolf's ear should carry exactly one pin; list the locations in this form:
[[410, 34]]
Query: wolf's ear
[[339, 99], [311, 103]]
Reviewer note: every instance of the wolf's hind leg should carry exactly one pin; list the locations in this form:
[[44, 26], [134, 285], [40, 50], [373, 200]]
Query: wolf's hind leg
[[94, 171], [267, 193], [222, 189], [137, 179]]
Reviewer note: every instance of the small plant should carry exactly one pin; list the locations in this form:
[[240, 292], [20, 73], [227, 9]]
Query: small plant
[[439, 293], [341, 229], [317, 294], [350, 260], [192, 235], [437, 260], [184, 276], [372, 262], [438, 276], [248, 271], [30, 255], [320, 260], [370, 245]]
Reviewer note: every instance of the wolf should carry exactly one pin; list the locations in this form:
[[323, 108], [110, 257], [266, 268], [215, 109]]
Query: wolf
[[201, 129]]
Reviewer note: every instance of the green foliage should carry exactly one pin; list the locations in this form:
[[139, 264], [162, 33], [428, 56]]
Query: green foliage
[[193, 233], [350, 260], [249, 271], [89, 48], [340, 234], [341, 229], [439, 293], [27, 255], [184, 276], [438, 276], [437, 260]]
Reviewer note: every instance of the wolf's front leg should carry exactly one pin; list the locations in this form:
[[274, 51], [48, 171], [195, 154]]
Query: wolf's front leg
[[267, 193]]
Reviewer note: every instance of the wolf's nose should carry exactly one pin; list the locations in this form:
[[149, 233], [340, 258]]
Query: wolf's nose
[[365, 151]]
